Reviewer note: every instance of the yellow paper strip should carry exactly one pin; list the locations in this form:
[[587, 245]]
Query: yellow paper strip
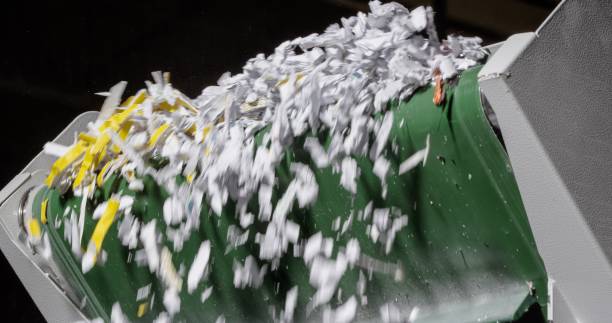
[[104, 223], [102, 173], [142, 309], [157, 133], [43, 211], [63, 162], [34, 228]]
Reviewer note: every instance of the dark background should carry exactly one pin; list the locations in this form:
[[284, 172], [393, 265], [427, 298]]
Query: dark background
[[55, 54]]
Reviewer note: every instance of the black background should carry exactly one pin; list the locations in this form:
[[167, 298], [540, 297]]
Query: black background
[[55, 55]]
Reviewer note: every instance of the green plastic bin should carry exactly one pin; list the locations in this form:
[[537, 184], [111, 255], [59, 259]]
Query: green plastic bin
[[467, 253]]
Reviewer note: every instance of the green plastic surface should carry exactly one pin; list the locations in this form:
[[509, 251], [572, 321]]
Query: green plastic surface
[[467, 252]]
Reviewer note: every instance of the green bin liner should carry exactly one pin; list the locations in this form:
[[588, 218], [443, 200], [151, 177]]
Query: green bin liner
[[467, 253]]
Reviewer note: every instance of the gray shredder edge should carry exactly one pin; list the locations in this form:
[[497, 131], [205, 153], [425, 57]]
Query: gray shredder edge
[[47, 288], [552, 94]]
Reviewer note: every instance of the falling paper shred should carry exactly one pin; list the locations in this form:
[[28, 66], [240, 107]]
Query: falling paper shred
[[415, 159], [336, 85], [199, 266]]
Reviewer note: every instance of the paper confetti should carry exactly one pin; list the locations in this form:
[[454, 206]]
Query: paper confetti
[[225, 147]]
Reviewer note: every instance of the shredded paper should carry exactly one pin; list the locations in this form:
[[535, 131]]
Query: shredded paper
[[337, 83]]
